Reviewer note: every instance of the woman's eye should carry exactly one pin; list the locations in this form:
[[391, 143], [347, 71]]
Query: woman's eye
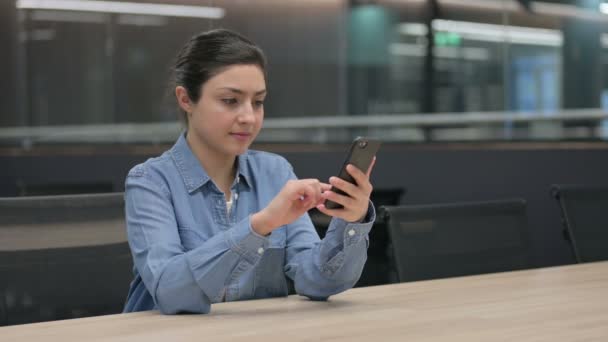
[[229, 101], [259, 103]]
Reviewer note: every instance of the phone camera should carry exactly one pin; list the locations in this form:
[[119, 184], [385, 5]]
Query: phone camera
[[363, 143]]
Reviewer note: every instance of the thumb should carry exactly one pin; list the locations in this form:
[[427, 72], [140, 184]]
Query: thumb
[[298, 195]]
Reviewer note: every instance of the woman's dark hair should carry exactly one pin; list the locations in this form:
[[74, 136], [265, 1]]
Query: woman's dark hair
[[207, 54]]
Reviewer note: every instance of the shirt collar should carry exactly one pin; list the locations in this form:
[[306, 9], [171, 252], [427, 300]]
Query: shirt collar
[[191, 170]]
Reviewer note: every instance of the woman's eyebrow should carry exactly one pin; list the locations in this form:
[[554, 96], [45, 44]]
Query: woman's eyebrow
[[239, 91]]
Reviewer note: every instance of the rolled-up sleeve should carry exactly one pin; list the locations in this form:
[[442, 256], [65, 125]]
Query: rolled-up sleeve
[[179, 280]]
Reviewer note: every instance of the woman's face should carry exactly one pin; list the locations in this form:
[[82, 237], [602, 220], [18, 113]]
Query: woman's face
[[230, 111]]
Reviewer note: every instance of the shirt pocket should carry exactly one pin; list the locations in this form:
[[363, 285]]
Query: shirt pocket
[[270, 279], [190, 238]]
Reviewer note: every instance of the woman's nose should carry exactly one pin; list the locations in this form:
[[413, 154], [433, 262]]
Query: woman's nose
[[247, 114]]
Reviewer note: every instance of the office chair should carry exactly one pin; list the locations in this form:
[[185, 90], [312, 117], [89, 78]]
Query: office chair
[[377, 269], [457, 239], [62, 257], [584, 212], [380, 197]]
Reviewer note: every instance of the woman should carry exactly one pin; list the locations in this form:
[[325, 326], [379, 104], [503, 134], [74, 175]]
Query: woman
[[211, 221]]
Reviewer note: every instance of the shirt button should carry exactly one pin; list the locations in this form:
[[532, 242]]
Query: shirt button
[[260, 250], [351, 232]]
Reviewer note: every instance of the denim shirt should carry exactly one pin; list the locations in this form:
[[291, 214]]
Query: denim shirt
[[190, 252]]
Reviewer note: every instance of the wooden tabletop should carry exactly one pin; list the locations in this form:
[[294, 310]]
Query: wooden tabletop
[[568, 303]]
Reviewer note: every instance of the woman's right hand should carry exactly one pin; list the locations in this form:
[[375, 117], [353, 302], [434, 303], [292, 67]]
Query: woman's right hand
[[295, 199]]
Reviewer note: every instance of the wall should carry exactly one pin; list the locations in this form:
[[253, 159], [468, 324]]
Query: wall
[[430, 173], [8, 65]]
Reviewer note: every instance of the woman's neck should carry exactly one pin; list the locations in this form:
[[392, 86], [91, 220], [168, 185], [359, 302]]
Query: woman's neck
[[220, 167]]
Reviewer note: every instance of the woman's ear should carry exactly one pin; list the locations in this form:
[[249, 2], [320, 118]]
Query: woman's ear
[[183, 100]]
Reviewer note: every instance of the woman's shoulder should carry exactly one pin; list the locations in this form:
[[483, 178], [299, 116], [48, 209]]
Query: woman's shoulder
[[152, 167]]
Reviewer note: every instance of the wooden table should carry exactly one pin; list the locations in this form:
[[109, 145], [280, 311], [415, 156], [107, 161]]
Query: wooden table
[[567, 303]]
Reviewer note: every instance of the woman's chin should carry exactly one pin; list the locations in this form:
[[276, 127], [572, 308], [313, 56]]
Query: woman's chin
[[238, 150]]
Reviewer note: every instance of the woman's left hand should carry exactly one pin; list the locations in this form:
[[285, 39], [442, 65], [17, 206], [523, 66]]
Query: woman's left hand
[[355, 205]]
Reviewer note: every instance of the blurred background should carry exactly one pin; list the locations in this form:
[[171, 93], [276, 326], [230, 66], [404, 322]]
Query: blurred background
[[474, 99], [492, 69]]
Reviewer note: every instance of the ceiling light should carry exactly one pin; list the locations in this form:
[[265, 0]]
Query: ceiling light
[[124, 8]]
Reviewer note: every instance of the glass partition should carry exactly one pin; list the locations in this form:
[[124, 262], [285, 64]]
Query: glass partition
[[409, 70]]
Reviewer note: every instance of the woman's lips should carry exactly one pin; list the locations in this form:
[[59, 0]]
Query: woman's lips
[[241, 136]]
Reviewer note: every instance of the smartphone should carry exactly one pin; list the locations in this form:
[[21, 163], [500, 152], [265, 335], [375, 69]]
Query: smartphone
[[360, 154]]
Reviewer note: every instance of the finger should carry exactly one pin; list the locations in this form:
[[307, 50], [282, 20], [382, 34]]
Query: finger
[[340, 213], [311, 181], [349, 188], [301, 193], [345, 201], [319, 194], [325, 187], [361, 178], [355, 172], [314, 192], [296, 190], [308, 191], [371, 167], [330, 212], [305, 203], [321, 200], [317, 185], [319, 188], [301, 198], [298, 187]]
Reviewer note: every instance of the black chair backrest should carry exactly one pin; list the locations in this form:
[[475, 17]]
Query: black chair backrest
[[584, 211], [62, 257], [446, 240], [380, 197]]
